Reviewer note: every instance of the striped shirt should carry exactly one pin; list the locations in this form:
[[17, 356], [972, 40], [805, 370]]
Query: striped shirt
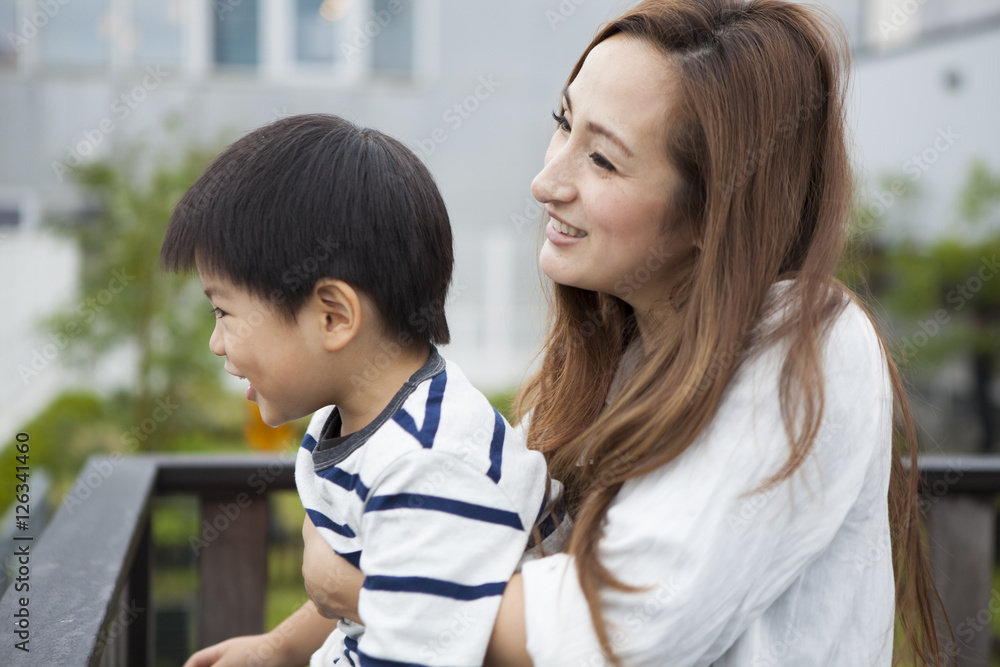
[[434, 501]]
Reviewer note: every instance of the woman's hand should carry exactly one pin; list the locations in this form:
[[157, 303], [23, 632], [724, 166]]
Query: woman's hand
[[332, 583]]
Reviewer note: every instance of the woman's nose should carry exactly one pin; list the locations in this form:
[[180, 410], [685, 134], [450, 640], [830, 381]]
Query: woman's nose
[[556, 181]]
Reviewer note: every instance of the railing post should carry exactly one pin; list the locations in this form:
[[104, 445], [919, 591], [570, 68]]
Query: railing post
[[961, 529], [233, 567], [142, 631]]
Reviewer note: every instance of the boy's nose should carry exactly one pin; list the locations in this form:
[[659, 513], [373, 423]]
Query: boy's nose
[[215, 342]]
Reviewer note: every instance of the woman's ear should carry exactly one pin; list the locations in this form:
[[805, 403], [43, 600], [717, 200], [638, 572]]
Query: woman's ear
[[337, 307]]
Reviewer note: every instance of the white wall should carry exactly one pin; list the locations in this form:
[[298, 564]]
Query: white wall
[[483, 168]]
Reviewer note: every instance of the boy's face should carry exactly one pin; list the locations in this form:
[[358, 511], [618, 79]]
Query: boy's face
[[278, 358]]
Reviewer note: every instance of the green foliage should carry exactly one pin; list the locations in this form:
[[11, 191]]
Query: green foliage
[[945, 290], [126, 305], [503, 401], [126, 302], [71, 428]]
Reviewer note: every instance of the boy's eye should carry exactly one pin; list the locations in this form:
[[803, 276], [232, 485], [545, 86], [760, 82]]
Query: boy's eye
[[219, 313]]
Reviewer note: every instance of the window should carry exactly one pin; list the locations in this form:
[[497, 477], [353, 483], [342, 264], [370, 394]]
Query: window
[[285, 41], [156, 25], [236, 33], [394, 43], [76, 35], [316, 30]]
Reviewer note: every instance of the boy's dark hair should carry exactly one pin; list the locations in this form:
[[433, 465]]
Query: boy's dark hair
[[315, 196]]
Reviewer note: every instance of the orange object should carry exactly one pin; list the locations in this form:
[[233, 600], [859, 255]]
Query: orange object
[[262, 437]]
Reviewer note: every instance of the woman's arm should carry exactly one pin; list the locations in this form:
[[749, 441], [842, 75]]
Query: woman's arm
[[508, 643]]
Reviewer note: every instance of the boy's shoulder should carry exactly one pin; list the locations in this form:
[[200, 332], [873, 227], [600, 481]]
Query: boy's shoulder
[[440, 411], [438, 408], [446, 412]]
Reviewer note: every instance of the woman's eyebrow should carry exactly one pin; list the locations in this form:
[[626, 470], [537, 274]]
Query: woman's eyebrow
[[597, 128]]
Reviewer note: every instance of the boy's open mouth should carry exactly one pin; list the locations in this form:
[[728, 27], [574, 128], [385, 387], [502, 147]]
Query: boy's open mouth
[[250, 392]]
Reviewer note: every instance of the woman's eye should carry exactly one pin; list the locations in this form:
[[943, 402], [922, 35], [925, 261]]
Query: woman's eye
[[602, 162], [561, 120]]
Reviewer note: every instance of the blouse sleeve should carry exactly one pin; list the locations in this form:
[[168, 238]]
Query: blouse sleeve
[[711, 553]]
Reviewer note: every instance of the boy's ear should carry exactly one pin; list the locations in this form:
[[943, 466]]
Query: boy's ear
[[338, 307]]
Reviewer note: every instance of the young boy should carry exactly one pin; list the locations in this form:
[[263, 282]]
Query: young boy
[[326, 252]]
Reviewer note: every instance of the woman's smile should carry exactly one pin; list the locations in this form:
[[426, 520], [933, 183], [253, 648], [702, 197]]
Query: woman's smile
[[561, 234]]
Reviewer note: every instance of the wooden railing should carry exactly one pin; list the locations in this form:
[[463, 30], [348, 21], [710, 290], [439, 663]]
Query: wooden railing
[[959, 496], [90, 573]]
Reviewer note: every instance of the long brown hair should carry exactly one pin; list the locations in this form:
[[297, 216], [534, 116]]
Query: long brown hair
[[758, 138]]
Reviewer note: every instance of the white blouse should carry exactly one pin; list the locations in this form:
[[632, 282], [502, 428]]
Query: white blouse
[[798, 575]]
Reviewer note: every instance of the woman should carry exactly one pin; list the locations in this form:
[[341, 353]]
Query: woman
[[717, 406], [733, 500]]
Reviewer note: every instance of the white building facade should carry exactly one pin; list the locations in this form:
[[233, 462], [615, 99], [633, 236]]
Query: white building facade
[[468, 84]]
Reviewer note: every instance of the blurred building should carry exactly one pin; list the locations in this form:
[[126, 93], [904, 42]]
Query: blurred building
[[468, 84]]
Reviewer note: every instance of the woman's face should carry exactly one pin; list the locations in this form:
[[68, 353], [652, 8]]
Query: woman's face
[[606, 184]]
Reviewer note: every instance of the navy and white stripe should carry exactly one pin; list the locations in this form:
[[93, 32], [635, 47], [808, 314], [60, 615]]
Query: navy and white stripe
[[434, 502]]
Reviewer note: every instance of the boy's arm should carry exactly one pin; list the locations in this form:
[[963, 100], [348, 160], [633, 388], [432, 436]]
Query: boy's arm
[[290, 644], [441, 542], [332, 583]]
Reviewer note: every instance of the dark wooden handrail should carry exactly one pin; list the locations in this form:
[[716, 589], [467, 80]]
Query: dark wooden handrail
[[960, 474], [90, 571], [88, 599]]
